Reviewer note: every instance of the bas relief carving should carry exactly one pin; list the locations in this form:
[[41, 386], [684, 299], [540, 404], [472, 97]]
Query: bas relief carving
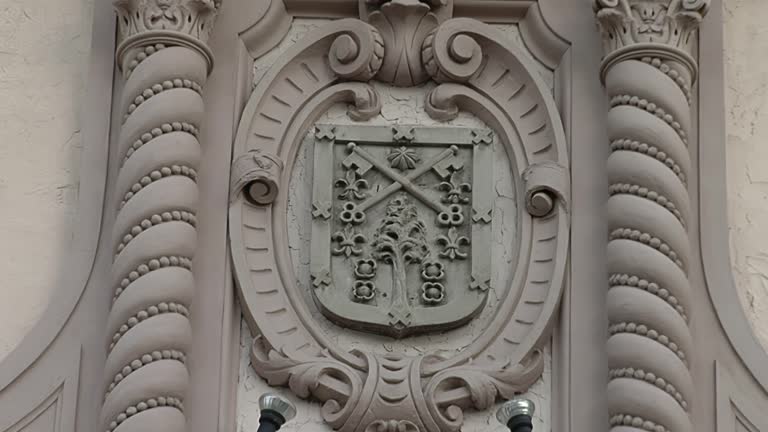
[[397, 212], [401, 218]]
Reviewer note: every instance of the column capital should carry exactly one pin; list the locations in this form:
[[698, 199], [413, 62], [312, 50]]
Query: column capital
[[192, 17], [166, 22], [650, 28]]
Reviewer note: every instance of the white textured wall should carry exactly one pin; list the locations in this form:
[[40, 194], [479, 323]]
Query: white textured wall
[[44, 46], [746, 45]]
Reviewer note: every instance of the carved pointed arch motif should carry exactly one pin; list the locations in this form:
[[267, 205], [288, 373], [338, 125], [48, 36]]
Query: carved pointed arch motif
[[477, 73]]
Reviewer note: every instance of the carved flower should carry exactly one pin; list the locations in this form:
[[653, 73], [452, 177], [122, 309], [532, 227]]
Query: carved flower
[[351, 215], [433, 271], [364, 291], [453, 218], [365, 269], [432, 293], [403, 158], [651, 17], [348, 241], [454, 191], [452, 245], [164, 14], [352, 186]]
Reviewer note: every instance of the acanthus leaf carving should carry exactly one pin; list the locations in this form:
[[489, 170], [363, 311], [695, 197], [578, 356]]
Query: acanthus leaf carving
[[627, 23], [403, 24], [477, 385], [192, 17], [311, 375]]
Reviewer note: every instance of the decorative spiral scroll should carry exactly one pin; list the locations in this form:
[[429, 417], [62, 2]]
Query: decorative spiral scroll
[[459, 62], [154, 235], [318, 376], [648, 210], [477, 386], [357, 55]]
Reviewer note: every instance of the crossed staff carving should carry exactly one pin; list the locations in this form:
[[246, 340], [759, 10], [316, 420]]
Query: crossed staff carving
[[442, 163]]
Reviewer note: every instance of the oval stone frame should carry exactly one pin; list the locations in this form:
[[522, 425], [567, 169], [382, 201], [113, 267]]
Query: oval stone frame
[[477, 73]]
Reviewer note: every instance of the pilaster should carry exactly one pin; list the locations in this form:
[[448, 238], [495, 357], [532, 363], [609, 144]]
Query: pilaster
[[165, 62], [648, 72]]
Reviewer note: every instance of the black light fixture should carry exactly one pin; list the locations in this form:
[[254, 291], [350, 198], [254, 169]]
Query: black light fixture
[[517, 414], [275, 412]]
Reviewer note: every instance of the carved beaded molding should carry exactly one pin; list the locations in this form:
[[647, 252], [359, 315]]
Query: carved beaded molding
[[648, 72], [165, 62], [404, 43]]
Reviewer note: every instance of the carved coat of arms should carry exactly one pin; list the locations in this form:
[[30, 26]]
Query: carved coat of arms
[[401, 226]]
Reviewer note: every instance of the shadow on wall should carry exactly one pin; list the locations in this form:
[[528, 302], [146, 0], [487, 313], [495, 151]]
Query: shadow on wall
[[44, 48]]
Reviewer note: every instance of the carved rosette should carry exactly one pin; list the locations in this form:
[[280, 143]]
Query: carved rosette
[[648, 73], [155, 235]]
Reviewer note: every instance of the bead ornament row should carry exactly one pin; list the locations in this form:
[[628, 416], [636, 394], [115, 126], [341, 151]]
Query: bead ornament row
[[637, 422], [651, 108], [154, 220], [647, 239], [159, 131], [143, 361], [673, 74], [643, 330], [643, 192], [637, 146], [156, 175], [150, 266], [159, 88], [158, 402], [650, 378], [651, 287], [143, 55], [160, 309]]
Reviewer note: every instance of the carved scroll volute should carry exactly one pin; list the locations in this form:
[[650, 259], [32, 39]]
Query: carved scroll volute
[[478, 386], [648, 72], [257, 176]]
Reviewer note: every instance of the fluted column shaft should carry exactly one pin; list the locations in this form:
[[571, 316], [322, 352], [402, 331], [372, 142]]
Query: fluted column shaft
[[648, 73], [154, 234]]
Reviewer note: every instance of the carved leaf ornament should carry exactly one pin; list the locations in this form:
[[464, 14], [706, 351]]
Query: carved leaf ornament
[[403, 218]]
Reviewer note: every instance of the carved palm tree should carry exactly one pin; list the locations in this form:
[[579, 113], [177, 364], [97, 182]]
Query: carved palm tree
[[400, 241]]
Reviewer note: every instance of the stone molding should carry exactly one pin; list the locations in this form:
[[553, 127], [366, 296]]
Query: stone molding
[[648, 73], [333, 64]]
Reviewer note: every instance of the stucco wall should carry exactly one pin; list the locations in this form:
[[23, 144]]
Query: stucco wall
[[746, 42], [44, 46]]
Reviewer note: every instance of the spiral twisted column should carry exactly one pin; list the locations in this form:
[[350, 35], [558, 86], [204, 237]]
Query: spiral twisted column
[[648, 72], [165, 63]]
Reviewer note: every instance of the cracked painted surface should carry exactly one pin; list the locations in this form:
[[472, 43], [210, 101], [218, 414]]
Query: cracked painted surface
[[400, 106], [746, 41], [44, 49]]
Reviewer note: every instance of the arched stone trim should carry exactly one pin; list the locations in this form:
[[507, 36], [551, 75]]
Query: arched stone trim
[[479, 74]]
